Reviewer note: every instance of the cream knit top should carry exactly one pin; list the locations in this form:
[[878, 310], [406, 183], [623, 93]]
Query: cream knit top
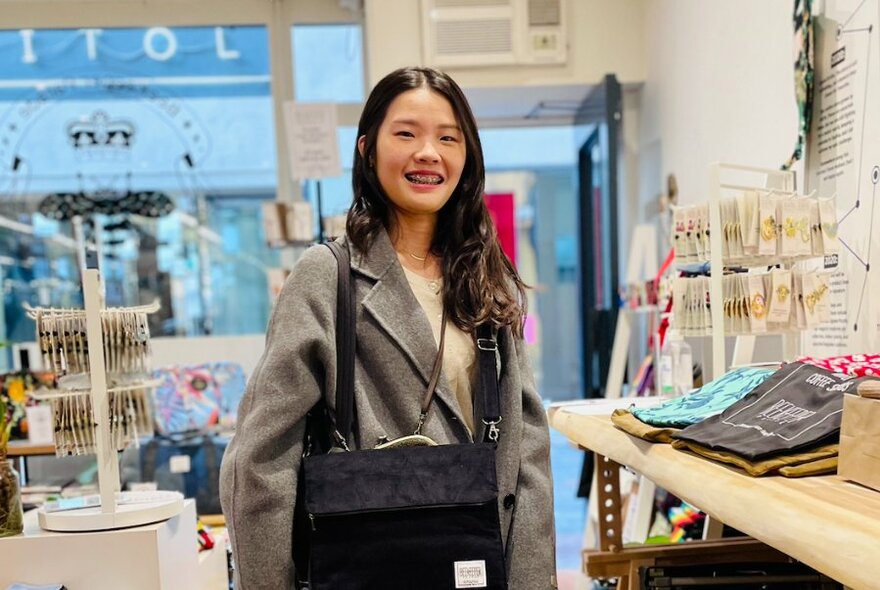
[[459, 356]]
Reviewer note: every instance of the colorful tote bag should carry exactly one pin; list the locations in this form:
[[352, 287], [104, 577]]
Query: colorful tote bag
[[197, 398], [710, 400]]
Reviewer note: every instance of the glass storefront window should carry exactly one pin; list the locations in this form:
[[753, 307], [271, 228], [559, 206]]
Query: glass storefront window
[[134, 135], [537, 166], [328, 63]]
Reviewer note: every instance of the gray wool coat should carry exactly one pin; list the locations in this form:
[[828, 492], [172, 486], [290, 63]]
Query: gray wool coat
[[395, 353]]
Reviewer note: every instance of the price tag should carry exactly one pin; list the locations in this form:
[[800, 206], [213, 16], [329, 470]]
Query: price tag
[[39, 420]]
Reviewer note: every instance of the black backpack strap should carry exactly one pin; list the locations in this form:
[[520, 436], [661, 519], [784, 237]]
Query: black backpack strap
[[487, 348], [345, 346], [148, 460], [212, 467]]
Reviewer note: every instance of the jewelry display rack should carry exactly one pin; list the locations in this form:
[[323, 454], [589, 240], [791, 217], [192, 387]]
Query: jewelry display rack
[[723, 178], [775, 179], [112, 509]]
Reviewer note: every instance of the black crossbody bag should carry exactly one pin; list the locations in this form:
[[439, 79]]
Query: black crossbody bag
[[409, 513]]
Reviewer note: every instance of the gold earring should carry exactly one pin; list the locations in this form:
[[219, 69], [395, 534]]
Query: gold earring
[[811, 301], [768, 229], [782, 293], [803, 227], [759, 306], [830, 229]]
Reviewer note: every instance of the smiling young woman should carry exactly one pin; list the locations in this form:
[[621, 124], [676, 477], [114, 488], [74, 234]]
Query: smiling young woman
[[422, 246], [420, 154]]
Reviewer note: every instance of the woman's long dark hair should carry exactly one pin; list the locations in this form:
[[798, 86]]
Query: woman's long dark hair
[[480, 283]]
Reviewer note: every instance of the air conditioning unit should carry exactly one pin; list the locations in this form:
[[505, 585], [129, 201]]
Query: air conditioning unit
[[462, 33]]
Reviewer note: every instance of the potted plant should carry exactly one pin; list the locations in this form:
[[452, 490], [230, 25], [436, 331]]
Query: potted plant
[[11, 516]]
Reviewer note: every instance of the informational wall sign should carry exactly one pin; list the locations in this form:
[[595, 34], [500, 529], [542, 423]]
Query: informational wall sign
[[311, 140], [843, 161]]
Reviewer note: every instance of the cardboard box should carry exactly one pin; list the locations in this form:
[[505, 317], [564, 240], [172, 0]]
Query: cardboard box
[[860, 441]]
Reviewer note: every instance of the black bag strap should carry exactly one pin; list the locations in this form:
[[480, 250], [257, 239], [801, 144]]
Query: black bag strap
[[488, 347], [345, 345]]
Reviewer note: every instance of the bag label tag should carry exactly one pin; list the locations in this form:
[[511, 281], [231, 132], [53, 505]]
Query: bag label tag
[[470, 574]]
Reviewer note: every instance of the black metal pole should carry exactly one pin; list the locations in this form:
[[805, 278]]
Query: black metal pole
[[319, 214]]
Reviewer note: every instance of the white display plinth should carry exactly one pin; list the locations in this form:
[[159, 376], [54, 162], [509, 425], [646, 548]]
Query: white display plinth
[[160, 556], [93, 518]]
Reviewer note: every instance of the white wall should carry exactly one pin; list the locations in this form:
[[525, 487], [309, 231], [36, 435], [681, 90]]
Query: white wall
[[605, 36], [719, 87]]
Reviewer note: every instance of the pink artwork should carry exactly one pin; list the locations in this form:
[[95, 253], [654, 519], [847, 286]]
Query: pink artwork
[[503, 211]]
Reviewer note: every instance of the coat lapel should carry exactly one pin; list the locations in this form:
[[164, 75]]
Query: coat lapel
[[395, 308]]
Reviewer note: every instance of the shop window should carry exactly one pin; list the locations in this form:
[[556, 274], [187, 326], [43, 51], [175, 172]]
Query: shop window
[[328, 63], [131, 129], [537, 166]]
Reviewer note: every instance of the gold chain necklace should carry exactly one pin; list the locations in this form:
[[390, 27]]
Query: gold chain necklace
[[419, 258]]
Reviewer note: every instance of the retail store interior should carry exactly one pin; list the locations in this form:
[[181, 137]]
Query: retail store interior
[[165, 164]]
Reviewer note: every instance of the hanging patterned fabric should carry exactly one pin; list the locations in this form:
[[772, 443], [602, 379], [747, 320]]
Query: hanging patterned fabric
[[803, 74]]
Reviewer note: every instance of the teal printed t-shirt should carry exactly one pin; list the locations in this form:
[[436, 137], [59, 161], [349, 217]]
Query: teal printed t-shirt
[[711, 399]]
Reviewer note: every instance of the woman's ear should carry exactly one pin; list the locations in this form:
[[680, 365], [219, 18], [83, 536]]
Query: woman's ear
[[361, 143]]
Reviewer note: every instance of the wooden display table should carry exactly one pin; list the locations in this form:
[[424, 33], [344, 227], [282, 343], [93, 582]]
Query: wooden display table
[[23, 448], [825, 522]]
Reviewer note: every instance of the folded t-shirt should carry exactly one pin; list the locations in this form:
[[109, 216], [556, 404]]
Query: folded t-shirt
[[710, 400], [797, 408]]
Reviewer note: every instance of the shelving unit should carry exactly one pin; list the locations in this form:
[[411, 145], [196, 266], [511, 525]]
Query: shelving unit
[[722, 178]]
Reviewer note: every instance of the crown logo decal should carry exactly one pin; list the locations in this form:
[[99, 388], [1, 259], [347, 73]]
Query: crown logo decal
[[99, 136]]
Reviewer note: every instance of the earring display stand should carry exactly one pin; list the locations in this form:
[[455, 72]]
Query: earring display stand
[[775, 179], [111, 509]]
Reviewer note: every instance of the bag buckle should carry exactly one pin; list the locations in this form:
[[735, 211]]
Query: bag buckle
[[340, 440], [494, 432], [487, 344], [422, 417]]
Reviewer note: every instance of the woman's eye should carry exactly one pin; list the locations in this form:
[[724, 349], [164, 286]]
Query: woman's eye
[[404, 134], [448, 138]]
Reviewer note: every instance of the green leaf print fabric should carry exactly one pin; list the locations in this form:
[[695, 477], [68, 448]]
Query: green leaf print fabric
[[710, 400]]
